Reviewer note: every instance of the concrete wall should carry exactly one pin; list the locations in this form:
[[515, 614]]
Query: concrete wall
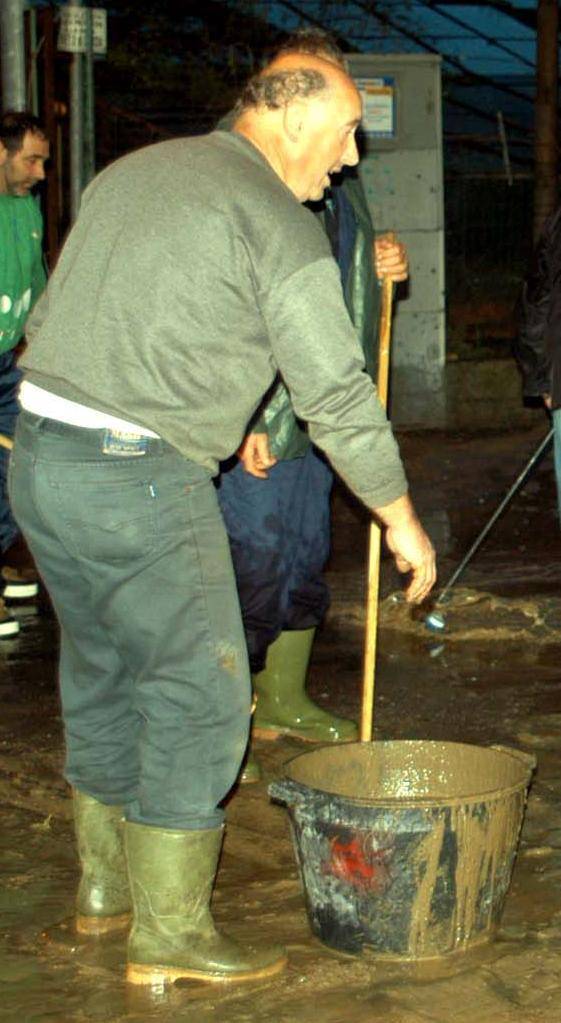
[[477, 395], [401, 170]]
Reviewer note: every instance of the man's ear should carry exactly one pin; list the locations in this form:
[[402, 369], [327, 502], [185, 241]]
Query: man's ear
[[3, 154], [294, 120]]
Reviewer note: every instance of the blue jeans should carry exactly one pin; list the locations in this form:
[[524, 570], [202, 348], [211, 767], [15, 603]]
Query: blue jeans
[[279, 530], [10, 377], [154, 676]]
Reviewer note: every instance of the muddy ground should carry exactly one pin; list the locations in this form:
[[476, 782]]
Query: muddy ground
[[493, 675]]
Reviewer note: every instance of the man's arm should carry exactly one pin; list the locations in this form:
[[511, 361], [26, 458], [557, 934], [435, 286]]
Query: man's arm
[[38, 279], [318, 354], [38, 271], [405, 536], [37, 316], [255, 454]]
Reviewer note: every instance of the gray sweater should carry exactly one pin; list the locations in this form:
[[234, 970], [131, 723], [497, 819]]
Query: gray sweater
[[191, 276]]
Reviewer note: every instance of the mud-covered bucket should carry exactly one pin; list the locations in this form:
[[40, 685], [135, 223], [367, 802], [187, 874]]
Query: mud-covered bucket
[[405, 848]]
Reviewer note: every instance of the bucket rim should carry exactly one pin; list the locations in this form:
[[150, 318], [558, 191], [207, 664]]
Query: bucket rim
[[527, 764]]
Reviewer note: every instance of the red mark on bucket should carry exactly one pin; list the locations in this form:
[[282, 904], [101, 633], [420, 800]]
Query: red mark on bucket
[[357, 863]]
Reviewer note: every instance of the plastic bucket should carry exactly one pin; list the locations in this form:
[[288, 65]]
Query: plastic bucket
[[405, 849]]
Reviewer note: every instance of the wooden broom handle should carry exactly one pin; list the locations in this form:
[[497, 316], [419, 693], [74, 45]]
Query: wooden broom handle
[[375, 533]]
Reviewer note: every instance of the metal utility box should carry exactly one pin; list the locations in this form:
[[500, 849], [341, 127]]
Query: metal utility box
[[402, 173]]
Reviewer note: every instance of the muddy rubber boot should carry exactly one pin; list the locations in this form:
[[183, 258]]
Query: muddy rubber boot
[[173, 934], [283, 707], [103, 903]]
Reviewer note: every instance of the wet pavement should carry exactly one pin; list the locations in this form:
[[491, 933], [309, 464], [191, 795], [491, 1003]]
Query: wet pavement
[[492, 675]]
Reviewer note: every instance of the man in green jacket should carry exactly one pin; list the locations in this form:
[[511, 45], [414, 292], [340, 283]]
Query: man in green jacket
[[192, 275], [23, 152], [275, 500]]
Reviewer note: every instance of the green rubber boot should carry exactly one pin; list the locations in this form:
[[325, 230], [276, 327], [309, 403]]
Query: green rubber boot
[[173, 933], [251, 769], [283, 707], [103, 902]]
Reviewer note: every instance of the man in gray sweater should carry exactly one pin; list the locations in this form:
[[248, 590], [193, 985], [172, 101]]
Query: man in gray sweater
[[193, 274]]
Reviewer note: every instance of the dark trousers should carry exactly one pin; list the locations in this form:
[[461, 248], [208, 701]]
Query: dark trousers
[[279, 530], [153, 669], [10, 377]]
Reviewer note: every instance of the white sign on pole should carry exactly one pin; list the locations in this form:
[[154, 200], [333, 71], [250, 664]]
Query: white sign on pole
[[72, 35]]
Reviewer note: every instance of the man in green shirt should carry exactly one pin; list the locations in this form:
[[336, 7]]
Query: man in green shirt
[[23, 152]]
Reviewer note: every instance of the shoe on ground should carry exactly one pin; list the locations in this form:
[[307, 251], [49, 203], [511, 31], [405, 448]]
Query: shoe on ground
[[9, 626], [20, 583], [19, 573]]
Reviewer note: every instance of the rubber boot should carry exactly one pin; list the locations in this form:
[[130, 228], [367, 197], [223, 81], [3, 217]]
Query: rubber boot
[[103, 903], [173, 934], [251, 770], [283, 707]]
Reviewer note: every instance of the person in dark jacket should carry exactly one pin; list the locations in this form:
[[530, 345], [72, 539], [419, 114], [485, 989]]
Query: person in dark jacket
[[275, 497], [538, 345]]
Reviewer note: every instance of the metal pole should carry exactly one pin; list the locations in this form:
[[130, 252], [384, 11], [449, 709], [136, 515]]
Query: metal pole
[[54, 203], [12, 54], [33, 89], [434, 620], [545, 187], [76, 128], [89, 103], [504, 146]]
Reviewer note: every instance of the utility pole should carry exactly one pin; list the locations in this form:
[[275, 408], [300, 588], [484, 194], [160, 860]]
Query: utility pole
[[84, 35], [12, 53], [545, 167], [54, 197], [76, 128], [89, 102]]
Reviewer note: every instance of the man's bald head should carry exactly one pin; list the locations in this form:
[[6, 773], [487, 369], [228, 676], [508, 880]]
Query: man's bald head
[[292, 76], [314, 41], [322, 63], [302, 111]]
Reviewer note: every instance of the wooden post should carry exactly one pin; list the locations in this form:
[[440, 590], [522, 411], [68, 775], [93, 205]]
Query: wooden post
[[375, 534]]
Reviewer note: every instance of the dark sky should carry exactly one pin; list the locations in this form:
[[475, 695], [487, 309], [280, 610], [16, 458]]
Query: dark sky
[[454, 29]]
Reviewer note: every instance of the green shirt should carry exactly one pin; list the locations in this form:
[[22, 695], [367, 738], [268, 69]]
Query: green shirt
[[22, 273]]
